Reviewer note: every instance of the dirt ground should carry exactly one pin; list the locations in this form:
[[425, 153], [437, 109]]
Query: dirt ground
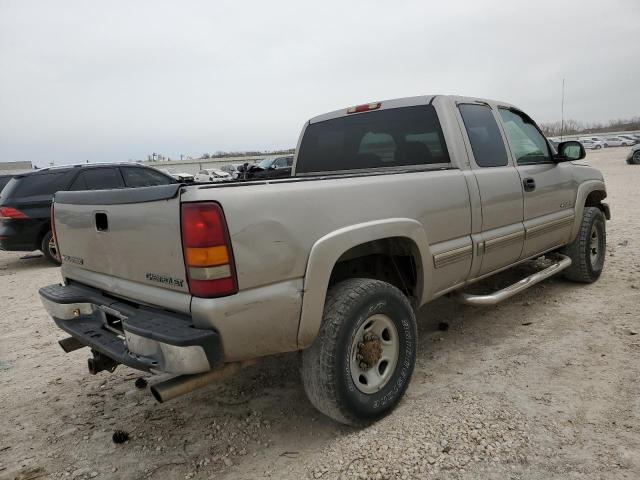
[[544, 386]]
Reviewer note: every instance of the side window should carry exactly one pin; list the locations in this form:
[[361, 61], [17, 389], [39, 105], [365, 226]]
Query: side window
[[143, 177], [97, 179], [527, 143], [484, 135]]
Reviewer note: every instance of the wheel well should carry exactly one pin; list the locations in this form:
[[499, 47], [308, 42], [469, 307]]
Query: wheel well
[[393, 260], [594, 199]]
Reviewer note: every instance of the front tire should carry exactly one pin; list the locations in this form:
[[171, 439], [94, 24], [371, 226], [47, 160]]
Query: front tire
[[636, 158], [49, 249], [588, 250], [359, 366]]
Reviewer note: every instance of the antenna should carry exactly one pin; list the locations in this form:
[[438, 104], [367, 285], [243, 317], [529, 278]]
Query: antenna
[[562, 112]]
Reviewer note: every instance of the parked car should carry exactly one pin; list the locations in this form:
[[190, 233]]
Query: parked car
[[633, 157], [271, 168], [213, 175], [233, 169], [4, 179], [628, 140], [378, 219], [592, 144], [25, 203], [180, 176], [613, 142]]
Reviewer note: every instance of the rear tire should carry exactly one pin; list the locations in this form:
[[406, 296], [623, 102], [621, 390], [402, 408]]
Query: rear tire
[[588, 250], [364, 321], [49, 249]]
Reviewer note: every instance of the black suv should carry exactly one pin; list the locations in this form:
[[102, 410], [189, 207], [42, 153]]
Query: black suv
[[270, 168], [25, 202], [4, 179]]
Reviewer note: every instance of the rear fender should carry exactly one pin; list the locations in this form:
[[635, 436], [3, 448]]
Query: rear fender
[[328, 249]]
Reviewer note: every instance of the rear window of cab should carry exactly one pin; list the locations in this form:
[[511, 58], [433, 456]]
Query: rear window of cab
[[407, 136]]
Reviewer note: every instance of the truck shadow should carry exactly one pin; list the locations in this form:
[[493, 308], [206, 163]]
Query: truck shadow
[[21, 262], [263, 413]]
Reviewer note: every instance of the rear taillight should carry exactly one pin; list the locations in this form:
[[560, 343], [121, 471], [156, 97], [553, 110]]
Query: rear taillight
[[207, 251], [53, 229], [10, 212]]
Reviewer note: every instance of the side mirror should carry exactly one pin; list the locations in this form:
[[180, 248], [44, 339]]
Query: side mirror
[[569, 151]]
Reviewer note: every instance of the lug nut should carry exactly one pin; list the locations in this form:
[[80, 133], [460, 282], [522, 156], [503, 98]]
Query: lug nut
[[364, 366]]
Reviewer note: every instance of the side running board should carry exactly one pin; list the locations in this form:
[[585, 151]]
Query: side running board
[[508, 292]]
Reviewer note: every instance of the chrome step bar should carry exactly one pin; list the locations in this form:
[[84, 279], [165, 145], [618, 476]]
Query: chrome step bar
[[508, 292]]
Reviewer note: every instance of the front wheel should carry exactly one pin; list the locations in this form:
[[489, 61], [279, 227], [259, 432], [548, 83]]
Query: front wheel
[[49, 249], [360, 364], [636, 158], [588, 250]]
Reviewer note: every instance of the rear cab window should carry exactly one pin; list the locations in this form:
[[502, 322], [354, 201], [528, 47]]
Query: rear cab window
[[397, 137]]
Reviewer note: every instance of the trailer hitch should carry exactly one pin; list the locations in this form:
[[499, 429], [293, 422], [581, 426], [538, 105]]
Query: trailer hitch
[[101, 362]]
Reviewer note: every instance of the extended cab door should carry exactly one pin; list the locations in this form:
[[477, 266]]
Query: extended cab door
[[549, 187], [500, 241]]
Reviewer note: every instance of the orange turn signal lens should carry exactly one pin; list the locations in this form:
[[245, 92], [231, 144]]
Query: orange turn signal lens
[[207, 257]]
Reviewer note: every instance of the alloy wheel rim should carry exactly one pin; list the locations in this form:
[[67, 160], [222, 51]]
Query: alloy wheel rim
[[53, 250], [374, 353], [594, 246]]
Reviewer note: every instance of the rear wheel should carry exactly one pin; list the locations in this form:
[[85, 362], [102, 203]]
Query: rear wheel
[[587, 251], [598, 147], [359, 366], [49, 249]]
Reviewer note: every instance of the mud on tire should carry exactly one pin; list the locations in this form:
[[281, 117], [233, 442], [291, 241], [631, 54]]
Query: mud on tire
[[327, 366], [588, 249]]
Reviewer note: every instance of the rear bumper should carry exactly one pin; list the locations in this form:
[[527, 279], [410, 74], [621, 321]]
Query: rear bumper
[[139, 337], [20, 235]]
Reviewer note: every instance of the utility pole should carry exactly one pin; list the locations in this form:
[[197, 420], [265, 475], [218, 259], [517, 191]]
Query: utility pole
[[562, 112]]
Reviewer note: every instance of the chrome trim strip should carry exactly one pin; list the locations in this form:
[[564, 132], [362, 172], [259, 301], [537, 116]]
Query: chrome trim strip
[[452, 256], [503, 241], [538, 230]]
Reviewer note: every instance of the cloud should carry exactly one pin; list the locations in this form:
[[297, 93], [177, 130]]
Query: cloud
[[117, 80]]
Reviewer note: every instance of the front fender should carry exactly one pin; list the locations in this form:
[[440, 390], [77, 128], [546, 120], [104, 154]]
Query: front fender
[[584, 189], [329, 248]]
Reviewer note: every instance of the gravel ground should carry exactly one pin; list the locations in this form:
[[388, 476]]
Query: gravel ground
[[543, 386]]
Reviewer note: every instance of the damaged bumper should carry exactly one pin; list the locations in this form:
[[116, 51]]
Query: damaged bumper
[[139, 337]]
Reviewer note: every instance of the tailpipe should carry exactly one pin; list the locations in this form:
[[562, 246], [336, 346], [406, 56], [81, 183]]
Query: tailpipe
[[183, 384]]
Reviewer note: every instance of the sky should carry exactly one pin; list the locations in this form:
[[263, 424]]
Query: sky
[[118, 80]]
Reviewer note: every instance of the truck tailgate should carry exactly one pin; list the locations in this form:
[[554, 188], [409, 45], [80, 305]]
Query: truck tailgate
[[129, 234]]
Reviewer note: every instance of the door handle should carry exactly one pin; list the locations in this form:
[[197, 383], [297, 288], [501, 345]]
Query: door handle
[[529, 184]]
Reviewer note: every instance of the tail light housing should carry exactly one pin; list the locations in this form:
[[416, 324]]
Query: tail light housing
[[53, 230], [208, 256], [10, 212]]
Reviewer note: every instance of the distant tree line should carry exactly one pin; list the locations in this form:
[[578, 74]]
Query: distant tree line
[[575, 127]]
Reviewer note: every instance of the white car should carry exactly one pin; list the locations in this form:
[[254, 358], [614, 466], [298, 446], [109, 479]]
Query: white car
[[613, 142], [628, 140], [180, 176], [592, 144], [213, 175]]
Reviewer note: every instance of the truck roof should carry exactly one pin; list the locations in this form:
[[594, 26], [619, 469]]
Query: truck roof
[[405, 102]]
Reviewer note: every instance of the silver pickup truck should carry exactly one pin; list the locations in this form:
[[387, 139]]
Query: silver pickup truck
[[390, 205]]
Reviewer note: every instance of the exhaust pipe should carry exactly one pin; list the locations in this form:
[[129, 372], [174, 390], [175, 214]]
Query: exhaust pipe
[[183, 384]]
